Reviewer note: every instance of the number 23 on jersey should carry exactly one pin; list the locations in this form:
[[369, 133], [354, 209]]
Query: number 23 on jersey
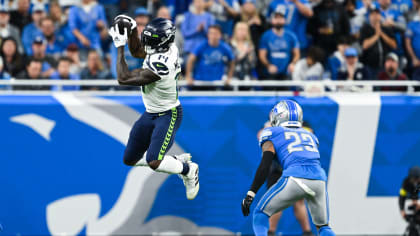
[[302, 141]]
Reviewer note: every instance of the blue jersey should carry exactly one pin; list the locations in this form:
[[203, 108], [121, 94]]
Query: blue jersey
[[296, 150], [211, 61], [402, 6], [413, 33], [86, 22], [295, 21], [30, 32], [279, 48]]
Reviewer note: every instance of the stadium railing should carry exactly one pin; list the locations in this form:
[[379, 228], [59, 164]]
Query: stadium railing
[[314, 87]]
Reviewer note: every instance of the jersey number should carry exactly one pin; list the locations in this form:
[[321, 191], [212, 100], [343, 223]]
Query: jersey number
[[296, 146]]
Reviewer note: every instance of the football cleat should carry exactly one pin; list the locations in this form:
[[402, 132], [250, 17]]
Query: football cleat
[[191, 181], [184, 157]]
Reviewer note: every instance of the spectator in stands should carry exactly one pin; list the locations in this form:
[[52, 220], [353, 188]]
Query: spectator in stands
[[329, 23], [297, 14], [412, 43], [31, 31], [310, 68], [356, 17], [12, 59], [392, 72], [21, 16], [377, 41], [195, 25], [395, 20], [112, 8], [403, 6], [63, 33], [32, 72], [279, 49], [164, 12], [4, 76], [53, 48], [210, 59], [63, 73], [39, 47], [256, 23], [88, 24], [56, 14], [94, 69], [8, 30], [243, 48], [72, 52], [337, 59], [353, 69], [224, 12], [142, 17], [413, 12], [391, 16]]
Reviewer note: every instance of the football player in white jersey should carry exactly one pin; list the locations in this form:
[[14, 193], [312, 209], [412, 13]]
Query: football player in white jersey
[[155, 131]]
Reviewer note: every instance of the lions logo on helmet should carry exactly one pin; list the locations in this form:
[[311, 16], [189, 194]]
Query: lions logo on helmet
[[286, 113], [158, 35]]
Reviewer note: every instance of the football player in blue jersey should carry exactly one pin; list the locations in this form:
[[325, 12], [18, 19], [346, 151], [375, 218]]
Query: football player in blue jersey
[[303, 177]]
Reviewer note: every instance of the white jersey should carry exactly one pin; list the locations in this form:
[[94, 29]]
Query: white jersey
[[162, 95]]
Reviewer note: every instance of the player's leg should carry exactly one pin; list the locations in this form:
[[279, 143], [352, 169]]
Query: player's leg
[[165, 126], [273, 177], [162, 139], [139, 140], [280, 196], [318, 206], [301, 215]]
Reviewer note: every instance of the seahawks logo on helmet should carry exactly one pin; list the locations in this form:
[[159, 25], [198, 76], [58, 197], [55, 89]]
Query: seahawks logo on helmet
[[158, 35]]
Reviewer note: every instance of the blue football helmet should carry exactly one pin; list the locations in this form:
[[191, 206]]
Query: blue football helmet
[[158, 35], [286, 113]]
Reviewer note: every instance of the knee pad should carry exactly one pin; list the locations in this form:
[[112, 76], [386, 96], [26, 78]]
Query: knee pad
[[326, 231]]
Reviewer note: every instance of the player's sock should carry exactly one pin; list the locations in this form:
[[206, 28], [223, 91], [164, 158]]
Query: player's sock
[[260, 223], [326, 231], [171, 165]]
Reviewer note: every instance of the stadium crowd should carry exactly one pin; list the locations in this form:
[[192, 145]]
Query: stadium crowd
[[218, 39]]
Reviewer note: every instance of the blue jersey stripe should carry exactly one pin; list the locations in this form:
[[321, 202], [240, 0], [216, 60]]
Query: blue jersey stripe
[[292, 110]]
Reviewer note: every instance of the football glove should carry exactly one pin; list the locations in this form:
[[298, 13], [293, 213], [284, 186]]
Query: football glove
[[246, 202], [127, 19], [118, 38]]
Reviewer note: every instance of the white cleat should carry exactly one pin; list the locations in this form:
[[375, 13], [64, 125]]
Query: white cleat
[[184, 157], [191, 181]]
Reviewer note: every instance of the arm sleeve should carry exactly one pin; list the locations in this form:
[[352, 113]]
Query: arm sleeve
[[262, 171], [403, 193]]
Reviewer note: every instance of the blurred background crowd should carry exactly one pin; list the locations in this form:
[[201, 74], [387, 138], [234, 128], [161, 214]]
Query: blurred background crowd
[[218, 39]]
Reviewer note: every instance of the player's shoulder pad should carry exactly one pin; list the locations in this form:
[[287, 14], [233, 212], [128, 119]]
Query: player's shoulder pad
[[157, 66], [265, 135]]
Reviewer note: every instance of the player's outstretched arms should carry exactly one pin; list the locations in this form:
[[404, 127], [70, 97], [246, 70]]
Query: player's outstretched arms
[[136, 77], [260, 175], [135, 46]]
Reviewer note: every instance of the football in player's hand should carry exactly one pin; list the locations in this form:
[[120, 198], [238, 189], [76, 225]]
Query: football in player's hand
[[122, 25]]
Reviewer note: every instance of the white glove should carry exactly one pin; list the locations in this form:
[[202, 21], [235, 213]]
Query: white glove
[[127, 18], [119, 39]]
